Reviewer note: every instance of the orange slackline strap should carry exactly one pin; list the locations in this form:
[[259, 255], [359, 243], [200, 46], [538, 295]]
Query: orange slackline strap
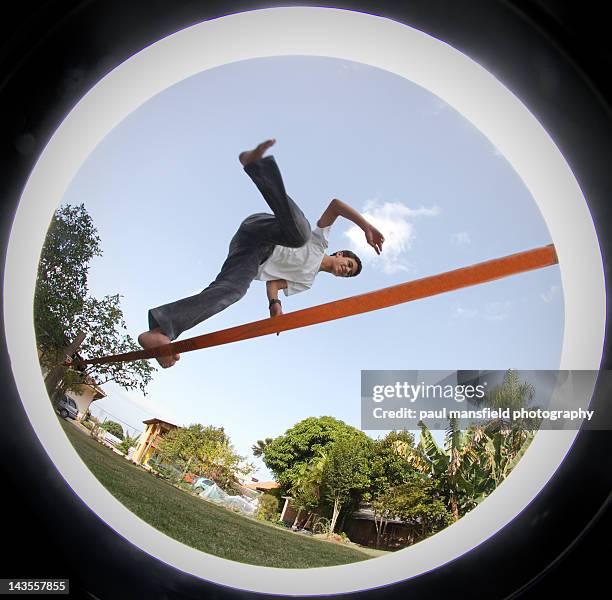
[[355, 305]]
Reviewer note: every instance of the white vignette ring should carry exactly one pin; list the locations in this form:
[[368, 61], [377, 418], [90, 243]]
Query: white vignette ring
[[358, 37]]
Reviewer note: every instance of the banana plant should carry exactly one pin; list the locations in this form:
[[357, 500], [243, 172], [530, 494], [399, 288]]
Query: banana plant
[[471, 464]]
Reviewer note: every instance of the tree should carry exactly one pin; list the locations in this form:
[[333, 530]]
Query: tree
[[61, 287], [471, 464], [286, 454], [389, 469], [345, 474], [113, 428], [511, 393], [267, 507], [62, 308], [207, 451], [103, 321], [418, 503], [260, 447], [503, 450], [507, 441], [305, 491], [514, 395], [455, 466]]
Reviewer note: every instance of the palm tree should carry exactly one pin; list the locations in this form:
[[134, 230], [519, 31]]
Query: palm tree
[[510, 394], [510, 438]]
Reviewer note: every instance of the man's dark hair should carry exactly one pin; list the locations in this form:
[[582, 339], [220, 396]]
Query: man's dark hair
[[352, 255]]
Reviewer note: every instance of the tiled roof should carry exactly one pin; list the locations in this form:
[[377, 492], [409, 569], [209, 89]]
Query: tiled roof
[[263, 485], [151, 421]]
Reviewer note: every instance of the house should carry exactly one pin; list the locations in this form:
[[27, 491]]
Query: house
[[84, 394], [262, 486], [147, 442]]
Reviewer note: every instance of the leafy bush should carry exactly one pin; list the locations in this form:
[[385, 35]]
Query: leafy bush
[[267, 508], [322, 525], [114, 428], [127, 443]]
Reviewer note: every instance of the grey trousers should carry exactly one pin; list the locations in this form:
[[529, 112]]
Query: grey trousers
[[251, 245]]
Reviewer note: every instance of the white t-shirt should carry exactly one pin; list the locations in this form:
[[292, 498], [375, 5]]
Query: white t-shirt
[[297, 266]]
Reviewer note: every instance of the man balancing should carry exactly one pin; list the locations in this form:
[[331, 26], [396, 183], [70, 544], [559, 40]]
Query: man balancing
[[278, 248]]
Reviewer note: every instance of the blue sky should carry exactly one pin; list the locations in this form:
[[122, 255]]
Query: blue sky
[[166, 193]]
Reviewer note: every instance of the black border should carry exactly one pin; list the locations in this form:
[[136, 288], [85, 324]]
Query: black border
[[552, 55]]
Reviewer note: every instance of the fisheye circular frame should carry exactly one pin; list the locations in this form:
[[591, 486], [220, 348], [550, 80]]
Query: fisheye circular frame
[[357, 37]]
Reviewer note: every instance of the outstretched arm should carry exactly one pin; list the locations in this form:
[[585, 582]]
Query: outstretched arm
[[337, 208]]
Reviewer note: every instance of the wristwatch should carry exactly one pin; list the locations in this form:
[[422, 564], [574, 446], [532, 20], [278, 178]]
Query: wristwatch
[[274, 301]]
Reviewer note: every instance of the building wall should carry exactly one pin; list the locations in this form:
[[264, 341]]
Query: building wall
[[83, 398], [144, 443], [289, 514], [148, 439], [363, 532]]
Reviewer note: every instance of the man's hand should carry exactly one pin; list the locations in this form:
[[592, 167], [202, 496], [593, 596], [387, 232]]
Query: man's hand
[[374, 237], [276, 309], [337, 208]]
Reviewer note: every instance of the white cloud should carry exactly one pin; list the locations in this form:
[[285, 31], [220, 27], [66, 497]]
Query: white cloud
[[394, 220], [461, 238], [439, 105], [550, 294], [497, 311], [492, 311], [464, 313]]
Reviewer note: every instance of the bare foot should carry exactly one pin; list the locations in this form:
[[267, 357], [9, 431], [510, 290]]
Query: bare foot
[[256, 154], [153, 338]]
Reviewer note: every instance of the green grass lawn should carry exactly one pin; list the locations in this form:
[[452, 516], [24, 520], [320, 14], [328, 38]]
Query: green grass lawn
[[201, 524]]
